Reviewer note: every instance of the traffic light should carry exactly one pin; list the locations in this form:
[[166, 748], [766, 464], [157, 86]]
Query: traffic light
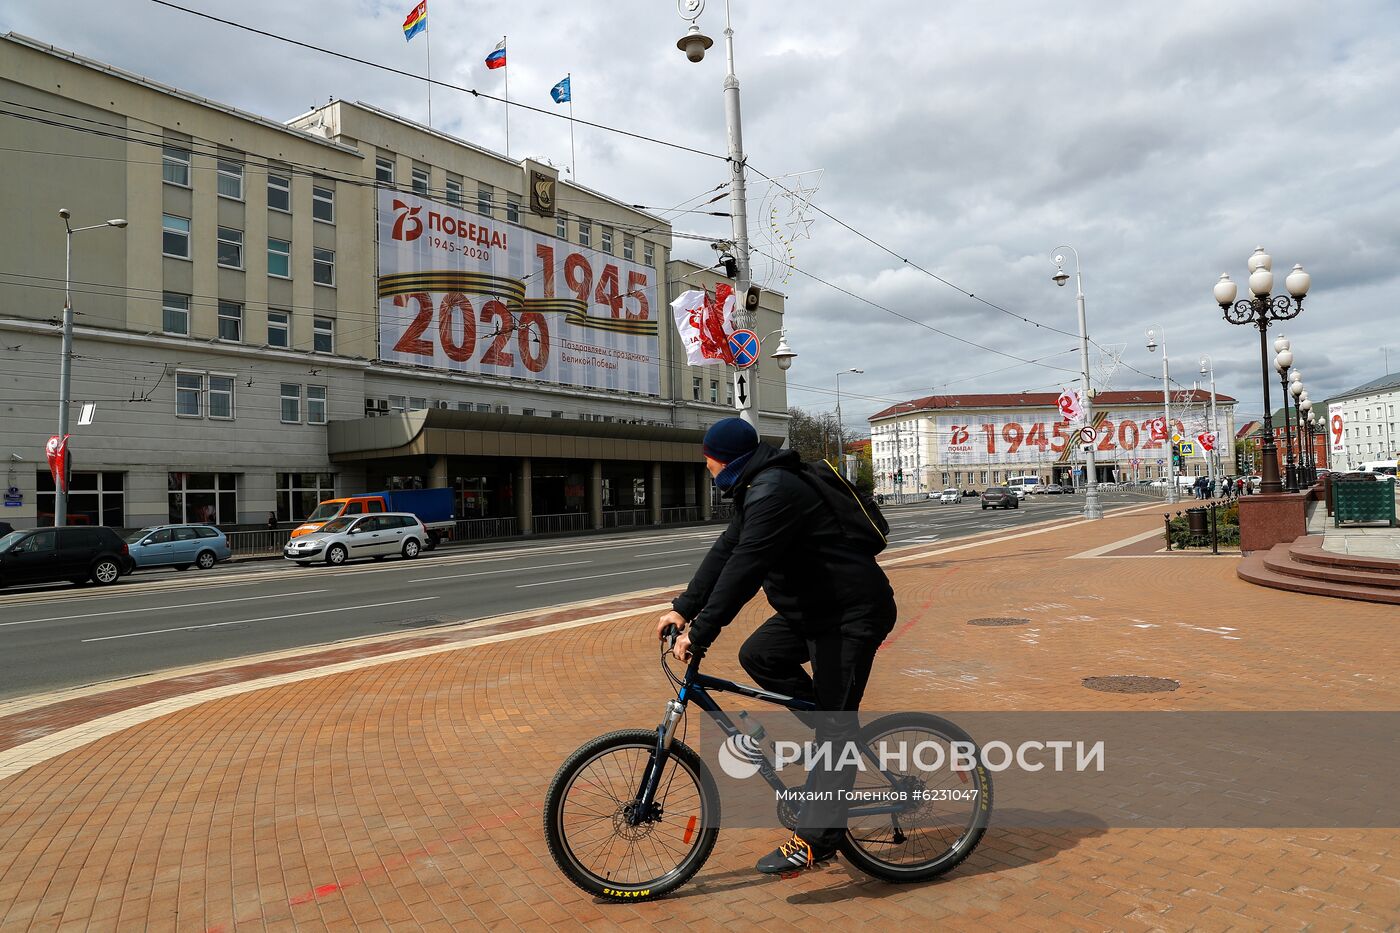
[[1176, 456]]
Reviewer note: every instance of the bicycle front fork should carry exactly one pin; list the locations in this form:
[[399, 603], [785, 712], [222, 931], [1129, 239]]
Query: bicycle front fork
[[645, 808]]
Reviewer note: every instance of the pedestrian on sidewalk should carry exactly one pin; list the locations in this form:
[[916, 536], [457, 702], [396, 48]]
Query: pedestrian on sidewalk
[[798, 536]]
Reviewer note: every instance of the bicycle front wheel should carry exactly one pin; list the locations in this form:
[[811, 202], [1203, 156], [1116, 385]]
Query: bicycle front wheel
[[592, 826], [947, 813]]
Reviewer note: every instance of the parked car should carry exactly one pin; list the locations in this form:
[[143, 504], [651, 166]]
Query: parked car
[[354, 536], [44, 555], [949, 495], [432, 507], [999, 497], [179, 546], [1053, 489]]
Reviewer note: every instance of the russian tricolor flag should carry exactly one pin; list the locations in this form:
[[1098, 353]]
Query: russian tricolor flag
[[497, 58]]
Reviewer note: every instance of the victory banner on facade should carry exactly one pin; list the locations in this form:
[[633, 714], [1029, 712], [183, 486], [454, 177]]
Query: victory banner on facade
[[466, 293], [1034, 438]]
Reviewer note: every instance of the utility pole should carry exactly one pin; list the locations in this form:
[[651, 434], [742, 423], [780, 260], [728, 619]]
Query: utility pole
[[1092, 508], [65, 366]]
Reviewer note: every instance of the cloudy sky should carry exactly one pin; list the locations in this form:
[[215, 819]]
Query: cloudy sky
[[1163, 141]]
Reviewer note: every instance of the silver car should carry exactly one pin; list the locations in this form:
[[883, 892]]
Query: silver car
[[354, 536]]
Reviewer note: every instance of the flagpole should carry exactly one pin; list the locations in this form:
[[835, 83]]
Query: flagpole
[[573, 156], [428, 40], [506, 76]]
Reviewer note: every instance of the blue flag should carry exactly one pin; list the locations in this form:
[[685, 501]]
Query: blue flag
[[560, 92]]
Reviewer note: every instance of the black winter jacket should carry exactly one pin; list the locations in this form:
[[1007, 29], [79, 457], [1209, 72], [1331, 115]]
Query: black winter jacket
[[785, 538]]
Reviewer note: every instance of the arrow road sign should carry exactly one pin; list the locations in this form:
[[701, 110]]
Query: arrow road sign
[[743, 401], [743, 346]]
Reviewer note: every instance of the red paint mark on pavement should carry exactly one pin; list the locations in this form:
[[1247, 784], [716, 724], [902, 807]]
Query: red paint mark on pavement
[[923, 611]]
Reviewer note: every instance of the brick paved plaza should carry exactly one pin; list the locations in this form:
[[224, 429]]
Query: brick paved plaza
[[401, 789]]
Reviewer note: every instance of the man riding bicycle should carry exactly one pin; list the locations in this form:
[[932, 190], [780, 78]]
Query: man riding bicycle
[[833, 605]]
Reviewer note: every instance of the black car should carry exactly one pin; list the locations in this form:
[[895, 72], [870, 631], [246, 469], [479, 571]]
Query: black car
[[1000, 497], [44, 555]]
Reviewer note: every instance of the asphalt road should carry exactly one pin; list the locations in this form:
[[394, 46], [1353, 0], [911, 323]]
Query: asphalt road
[[62, 636]]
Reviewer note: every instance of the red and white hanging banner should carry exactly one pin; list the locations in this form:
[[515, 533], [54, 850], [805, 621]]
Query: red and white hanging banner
[[1338, 428], [1207, 441], [1071, 406], [57, 451]]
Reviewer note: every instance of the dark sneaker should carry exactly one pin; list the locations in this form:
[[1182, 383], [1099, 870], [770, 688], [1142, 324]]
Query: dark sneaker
[[792, 857]]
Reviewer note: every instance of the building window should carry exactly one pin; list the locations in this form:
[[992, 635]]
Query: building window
[[585, 232], [230, 179], [502, 409], [279, 192], [315, 404], [291, 403], [484, 194], [93, 499], [230, 248], [629, 248], [323, 335], [230, 321], [323, 266], [298, 494], [398, 403], [208, 498], [384, 169], [483, 406], [175, 236], [512, 210], [695, 388], [279, 329], [648, 254], [607, 240], [420, 180], [279, 258], [454, 191], [221, 397], [175, 313], [189, 395], [323, 204], [561, 225], [417, 404], [714, 391], [175, 166], [530, 412]]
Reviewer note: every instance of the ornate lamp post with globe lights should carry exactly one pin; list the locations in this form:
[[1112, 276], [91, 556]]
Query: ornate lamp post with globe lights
[[1282, 363], [1259, 309]]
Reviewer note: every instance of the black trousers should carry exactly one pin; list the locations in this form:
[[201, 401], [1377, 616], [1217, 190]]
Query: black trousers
[[841, 660]]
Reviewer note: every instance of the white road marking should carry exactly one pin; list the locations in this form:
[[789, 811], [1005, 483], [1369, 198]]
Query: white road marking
[[487, 573], [118, 612], [599, 576], [294, 615]]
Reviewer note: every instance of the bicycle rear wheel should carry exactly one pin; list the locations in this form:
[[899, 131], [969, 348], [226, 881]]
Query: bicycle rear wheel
[[595, 791], [948, 812]]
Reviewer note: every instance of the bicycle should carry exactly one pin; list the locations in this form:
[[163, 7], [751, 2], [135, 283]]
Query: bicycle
[[619, 826]]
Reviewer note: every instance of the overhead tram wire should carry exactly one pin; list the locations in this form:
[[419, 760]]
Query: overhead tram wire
[[281, 164], [443, 84], [911, 320], [914, 265]]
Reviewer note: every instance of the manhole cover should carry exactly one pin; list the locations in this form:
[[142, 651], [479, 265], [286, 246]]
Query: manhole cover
[[1128, 683], [997, 620]]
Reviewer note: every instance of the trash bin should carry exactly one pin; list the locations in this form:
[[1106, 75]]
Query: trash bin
[[1360, 497], [1196, 520]]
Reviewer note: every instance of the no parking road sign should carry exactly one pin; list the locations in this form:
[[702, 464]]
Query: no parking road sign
[[743, 346]]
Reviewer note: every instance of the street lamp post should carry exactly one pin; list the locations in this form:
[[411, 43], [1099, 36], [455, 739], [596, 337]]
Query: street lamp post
[[840, 430], [1166, 403], [65, 365], [693, 44], [1259, 309], [1282, 363], [1092, 509], [1208, 367]]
